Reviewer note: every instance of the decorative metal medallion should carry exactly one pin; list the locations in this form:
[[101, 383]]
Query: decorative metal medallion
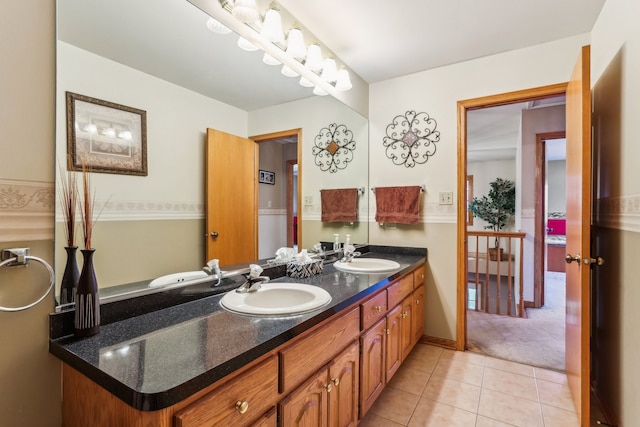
[[411, 139], [333, 148]]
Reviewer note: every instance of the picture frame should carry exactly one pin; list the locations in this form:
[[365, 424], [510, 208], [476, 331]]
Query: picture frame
[[105, 137], [266, 177]]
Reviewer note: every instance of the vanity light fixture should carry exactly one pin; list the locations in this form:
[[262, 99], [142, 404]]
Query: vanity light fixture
[[245, 11], [314, 58], [295, 44], [329, 70], [272, 26], [288, 71], [343, 82], [270, 60], [245, 44], [217, 27]]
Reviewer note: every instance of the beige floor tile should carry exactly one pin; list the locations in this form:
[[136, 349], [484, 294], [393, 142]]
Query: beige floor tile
[[553, 376], [430, 413], [420, 362], [452, 392], [409, 380], [395, 405], [463, 356], [489, 422], [509, 366], [460, 370], [510, 409], [555, 394], [556, 417], [510, 383], [373, 420]]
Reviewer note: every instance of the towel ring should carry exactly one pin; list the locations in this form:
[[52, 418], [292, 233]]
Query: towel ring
[[52, 281]]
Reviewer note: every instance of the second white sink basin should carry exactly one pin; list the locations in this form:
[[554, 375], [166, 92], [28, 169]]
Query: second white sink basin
[[366, 265], [191, 277], [277, 299]]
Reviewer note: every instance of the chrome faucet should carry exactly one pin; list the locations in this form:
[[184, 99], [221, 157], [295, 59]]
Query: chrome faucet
[[252, 284], [349, 255], [213, 269]]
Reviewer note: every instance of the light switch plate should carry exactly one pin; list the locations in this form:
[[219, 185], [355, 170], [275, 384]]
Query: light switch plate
[[308, 200], [445, 198]]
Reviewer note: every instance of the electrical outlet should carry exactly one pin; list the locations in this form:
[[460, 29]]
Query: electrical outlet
[[308, 200], [445, 198]]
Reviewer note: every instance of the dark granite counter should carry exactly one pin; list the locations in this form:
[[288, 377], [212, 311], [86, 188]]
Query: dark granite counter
[[154, 360]]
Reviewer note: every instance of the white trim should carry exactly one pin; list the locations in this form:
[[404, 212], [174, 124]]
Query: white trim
[[272, 211]]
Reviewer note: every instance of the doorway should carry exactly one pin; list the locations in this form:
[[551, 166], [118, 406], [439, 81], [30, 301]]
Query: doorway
[[279, 199], [530, 95]]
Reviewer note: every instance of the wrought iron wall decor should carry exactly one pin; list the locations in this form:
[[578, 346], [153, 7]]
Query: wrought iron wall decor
[[333, 148], [411, 139]]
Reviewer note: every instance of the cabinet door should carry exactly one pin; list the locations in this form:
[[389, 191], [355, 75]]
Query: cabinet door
[[418, 314], [407, 327], [394, 341], [270, 419], [372, 365], [308, 405], [343, 397]]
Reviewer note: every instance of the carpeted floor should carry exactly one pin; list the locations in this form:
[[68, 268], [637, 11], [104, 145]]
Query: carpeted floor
[[537, 340]]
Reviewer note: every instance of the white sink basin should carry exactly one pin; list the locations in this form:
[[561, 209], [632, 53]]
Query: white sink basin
[[366, 265], [191, 277], [277, 299]]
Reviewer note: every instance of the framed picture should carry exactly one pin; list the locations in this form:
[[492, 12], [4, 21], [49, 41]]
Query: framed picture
[[266, 177], [106, 137]]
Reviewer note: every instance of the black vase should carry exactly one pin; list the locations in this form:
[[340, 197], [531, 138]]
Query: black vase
[[87, 313], [70, 277]]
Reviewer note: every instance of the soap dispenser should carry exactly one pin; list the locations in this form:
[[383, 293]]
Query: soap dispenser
[[336, 242]]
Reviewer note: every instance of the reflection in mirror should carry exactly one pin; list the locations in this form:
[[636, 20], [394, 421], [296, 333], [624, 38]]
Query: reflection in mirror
[[159, 56]]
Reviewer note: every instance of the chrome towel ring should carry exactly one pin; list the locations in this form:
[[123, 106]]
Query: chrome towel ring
[[21, 258]]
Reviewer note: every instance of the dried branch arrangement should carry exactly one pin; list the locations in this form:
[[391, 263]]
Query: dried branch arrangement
[[69, 202]]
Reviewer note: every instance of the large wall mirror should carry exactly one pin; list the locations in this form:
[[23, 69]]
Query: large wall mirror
[[160, 57]]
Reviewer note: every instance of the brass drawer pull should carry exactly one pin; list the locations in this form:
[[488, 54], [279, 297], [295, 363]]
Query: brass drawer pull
[[404, 314], [336, 382], [242, 406], [417, 302], [328, 387], [378, 308]]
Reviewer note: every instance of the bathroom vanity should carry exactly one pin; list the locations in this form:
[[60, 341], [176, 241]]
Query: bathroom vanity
[[197, 364]]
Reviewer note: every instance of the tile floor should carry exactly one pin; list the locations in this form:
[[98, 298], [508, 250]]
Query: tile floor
[[446, 388]]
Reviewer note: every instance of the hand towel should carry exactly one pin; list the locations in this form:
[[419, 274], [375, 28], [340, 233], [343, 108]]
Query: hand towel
[[399, 205], [339, 205]]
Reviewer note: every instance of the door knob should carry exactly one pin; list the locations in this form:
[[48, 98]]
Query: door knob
[[214, 234], [597, 261], [570, 258]]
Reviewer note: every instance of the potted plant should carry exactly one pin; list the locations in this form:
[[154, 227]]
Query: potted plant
[[496, 209]]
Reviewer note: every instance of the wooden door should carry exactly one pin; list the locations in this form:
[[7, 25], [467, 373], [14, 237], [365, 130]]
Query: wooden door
[[418, 314], [231, 198], [394, 341], [578, 234], [372, 365], [406, 327], [307, 406], [343, 398]]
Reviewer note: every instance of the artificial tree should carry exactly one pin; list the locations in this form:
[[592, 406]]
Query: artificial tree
[[496, 209]]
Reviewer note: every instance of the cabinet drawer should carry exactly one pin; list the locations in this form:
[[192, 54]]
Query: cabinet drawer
[[258, 387], [306, 356], [373, 309], [418, 276], [399, 290]]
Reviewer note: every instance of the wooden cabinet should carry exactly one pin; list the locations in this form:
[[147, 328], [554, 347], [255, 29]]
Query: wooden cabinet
[[418, 313], [372, 364], [328, 398], [393, 349], [239, 402], [407, 327], [373, 309]]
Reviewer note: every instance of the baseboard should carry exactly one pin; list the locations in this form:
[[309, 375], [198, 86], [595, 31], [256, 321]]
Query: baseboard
[[440, 342], [529, 304]]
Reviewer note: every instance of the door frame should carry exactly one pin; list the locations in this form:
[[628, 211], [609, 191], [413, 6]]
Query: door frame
[[540, 247], [290, 133], [461, 247], [290, 179]]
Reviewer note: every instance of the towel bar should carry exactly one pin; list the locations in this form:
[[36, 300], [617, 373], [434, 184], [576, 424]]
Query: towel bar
[[21, 257], [422, 189]]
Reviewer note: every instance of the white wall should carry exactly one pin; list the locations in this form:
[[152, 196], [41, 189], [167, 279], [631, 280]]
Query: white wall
[[557, 186], [437, 92]]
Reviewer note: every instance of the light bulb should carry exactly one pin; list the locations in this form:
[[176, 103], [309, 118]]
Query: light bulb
[[295, 44], [343, 82], [272, 27], [314, 58], [329, 70], [245, 11], [287, 71]]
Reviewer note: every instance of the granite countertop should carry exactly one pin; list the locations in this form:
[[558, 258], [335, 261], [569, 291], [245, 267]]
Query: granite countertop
[[154, 360], [556, 239]]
